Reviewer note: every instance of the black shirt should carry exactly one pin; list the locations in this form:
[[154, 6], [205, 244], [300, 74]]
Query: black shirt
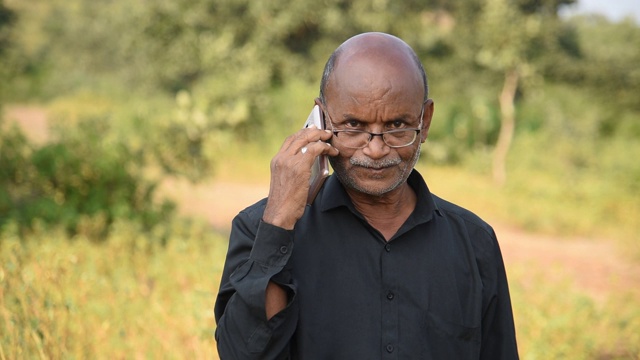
[[436, 290]]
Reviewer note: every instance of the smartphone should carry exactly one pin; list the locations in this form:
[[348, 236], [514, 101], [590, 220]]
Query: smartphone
[[320, 168]]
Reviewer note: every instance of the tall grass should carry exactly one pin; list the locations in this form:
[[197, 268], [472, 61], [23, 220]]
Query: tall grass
[[129, 297], [554, 320]]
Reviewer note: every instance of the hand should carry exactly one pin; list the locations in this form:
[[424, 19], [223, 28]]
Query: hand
[[290, 174]]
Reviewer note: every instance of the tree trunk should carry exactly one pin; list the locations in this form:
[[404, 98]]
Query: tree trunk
[[507, 125]]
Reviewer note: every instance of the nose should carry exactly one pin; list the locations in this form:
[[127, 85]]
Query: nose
[[376, 148]]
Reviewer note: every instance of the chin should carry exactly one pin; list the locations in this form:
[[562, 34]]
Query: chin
[[376, 190], [374, 186]]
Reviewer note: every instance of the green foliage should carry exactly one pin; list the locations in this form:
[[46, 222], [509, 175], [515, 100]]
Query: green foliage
[[228, 55], [609, 68], [7, 19], [82, 182], [181, 82], [462, 125], [7, 22], [588, 195], [506, 36]]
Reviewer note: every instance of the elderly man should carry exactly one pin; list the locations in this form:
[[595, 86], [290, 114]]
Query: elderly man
[[377, 267]]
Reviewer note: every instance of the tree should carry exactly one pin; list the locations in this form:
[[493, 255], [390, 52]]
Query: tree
[[512, 37], [7, 20]]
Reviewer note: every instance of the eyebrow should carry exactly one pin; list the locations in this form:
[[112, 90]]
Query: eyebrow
[[402, 117]]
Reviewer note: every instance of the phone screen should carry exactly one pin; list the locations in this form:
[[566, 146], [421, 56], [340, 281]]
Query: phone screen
[[320, 168]]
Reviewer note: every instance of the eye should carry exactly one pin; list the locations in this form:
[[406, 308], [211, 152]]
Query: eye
[[396, 124], [353, 124]]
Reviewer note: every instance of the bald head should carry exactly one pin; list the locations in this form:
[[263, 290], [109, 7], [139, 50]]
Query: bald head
[[380, 53]]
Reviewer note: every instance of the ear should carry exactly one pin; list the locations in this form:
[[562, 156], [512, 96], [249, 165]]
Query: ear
[[426, 119], [318, 102]]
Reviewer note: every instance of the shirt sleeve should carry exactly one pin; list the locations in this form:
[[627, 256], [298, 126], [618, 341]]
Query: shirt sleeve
[[258, 253], [498, 330]]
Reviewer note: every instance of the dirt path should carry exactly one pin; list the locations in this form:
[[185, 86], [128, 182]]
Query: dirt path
[[32, 119], [594, 266]]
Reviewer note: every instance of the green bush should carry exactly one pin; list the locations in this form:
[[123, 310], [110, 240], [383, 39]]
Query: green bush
[[81, 182]]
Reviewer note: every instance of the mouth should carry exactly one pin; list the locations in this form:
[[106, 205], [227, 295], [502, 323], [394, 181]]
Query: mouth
[[375, 168], [372, 169], [377, 172], [375, 165]]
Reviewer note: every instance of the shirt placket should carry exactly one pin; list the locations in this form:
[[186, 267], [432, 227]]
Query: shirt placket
[[389, 299]]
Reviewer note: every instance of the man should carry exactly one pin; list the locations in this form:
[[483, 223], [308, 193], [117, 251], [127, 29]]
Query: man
[[377, 267]]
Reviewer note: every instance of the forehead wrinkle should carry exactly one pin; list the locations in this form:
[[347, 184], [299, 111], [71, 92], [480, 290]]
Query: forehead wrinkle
[[365, 79], [369, 93]]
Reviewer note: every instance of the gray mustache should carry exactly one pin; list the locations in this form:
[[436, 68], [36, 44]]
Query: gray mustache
[[372, 164]]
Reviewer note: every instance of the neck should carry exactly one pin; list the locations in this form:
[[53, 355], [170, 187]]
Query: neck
[[386, 212]]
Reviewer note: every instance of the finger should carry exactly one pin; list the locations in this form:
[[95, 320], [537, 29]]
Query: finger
[[288, 143], [307, 136], [323, 135], [317, 148]]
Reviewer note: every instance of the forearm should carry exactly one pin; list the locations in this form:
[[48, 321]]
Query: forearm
[[241, 335], [255, 309], [276, 299]]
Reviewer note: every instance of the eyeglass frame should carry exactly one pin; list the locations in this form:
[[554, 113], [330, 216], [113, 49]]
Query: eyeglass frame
[[372, 134]]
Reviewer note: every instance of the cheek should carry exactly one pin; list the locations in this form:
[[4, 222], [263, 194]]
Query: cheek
[[344, 155], [341, 161], [407, 154]]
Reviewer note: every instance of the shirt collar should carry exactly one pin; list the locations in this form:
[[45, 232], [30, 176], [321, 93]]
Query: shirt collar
[[334, 195]]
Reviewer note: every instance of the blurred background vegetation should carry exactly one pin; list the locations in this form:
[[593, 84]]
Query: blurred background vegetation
[[537, 125]]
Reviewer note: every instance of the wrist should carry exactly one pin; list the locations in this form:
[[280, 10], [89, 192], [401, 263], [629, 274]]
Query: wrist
[[278, 219]]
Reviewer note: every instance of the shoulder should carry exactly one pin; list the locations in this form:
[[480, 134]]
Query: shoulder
[[475, 230], [248, 219], [255, 210], [449, 209], [479, 237]]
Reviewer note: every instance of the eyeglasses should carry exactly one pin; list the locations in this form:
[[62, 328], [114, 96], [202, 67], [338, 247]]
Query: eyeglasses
[[358, 139]]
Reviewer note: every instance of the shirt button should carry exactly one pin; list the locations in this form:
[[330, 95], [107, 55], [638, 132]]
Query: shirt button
[[387, 247], [283, 249], [389, 348], [390, 295]]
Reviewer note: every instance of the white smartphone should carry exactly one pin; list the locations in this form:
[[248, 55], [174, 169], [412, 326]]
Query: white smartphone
[[320, 168]]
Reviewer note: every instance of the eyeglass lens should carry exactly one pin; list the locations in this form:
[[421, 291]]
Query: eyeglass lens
[[359, 139]]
